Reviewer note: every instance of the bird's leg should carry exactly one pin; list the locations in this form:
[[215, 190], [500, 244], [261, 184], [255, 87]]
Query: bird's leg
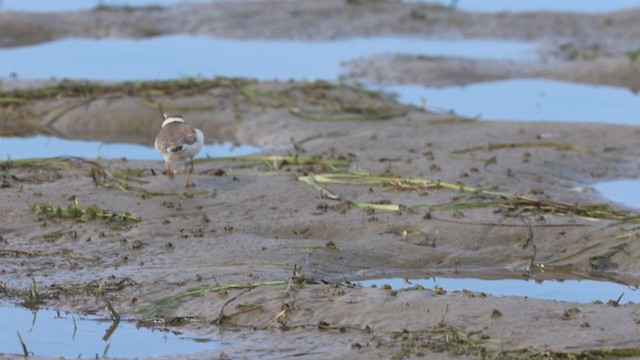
[[169, 171], [189, 183]]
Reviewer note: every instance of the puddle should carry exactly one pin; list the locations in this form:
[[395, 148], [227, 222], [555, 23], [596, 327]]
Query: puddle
[[581, 291], [39, 146], [528, 100], [624, 192], [50, 333], [72, 5], [300, 60], [580, 6]]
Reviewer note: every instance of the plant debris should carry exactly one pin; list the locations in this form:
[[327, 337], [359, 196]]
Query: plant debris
[[74, 211]]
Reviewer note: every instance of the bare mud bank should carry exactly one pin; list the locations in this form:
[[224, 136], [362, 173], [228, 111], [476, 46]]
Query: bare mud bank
[[349, 186], [620, 71]]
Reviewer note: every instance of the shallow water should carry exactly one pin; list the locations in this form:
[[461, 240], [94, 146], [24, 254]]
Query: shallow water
[[528, 100], [46, 146], [51, 333], [580, 6], [300, 60], [72, 5], [466, 5], [625, 192], [581, 291]]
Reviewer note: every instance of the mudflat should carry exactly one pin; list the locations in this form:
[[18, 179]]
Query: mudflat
[[266, 250]]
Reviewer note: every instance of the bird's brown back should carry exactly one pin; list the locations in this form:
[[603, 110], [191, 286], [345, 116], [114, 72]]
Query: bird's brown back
[[174, 135]]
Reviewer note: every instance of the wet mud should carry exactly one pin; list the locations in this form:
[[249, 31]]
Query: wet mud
[[263, 253], [622, 70], [264, 244]]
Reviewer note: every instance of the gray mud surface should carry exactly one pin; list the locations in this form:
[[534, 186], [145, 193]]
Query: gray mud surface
[[258, 223], [263, 252], [621, 70]]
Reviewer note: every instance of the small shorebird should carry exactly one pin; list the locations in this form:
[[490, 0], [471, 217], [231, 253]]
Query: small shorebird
[[178, 141]]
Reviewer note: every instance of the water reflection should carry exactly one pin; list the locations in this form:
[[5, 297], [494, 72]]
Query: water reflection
[[73, 5], [39, 146], [621, 191], [529, 100], [209, 57], [580, 6], [49, 333], [582, 291]]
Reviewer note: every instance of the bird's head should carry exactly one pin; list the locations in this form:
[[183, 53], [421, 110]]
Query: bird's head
[[172, 117]]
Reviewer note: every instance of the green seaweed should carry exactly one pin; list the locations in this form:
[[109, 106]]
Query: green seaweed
[[160, 306], [481, 198], [276, 161], [75, 212], [64, 253], [53, 163]]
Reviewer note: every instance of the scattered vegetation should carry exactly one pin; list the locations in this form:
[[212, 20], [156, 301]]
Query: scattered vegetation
[[87, 89], [359, 114], [99, 287], [275, 162], [460, 342], [118, 181], [328, 107], [481, 198], [633, 56], [45, 164], [462, 153], [64, 253], [318, 101], [160, 306], [75, 212], [572, 51], [443, 337], [127, 8], [35, 294], [25, 352]]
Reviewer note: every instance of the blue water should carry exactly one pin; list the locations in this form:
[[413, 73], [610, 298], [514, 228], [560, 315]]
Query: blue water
[[529, 99], [266, 60], [72, 5], [625, 192], [580, 6], [581, 291], [586, 6], [45, 146], [47, 334]]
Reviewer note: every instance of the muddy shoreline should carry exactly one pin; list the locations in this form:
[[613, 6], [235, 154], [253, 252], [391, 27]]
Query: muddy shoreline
[[350, 185], [239, 226], [613, 70]]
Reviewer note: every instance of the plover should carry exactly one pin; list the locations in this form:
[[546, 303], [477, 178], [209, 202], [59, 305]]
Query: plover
[[178, 141]]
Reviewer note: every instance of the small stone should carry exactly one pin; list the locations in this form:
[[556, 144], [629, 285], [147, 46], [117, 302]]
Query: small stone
[[495, 313], [137, 244]]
